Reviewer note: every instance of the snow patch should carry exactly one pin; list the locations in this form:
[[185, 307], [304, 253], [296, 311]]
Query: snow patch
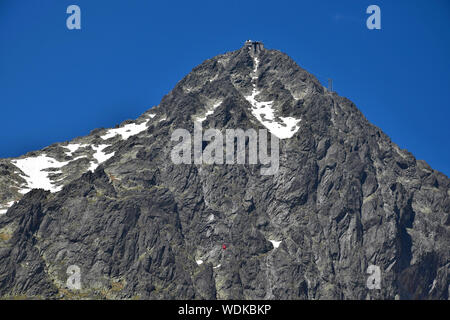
[[199, 262], [100, 156], [126, 131], [34, 173], [433, 286], [72, 148], [264, 112], [275, 243], [208, 112], [35, 170], [218, 266], [255, 70], [5, 209]]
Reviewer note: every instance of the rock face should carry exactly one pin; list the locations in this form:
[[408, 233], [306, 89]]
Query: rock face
[[139, 226]]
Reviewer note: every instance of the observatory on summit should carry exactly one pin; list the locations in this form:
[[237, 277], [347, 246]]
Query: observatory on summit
[[255, 46]]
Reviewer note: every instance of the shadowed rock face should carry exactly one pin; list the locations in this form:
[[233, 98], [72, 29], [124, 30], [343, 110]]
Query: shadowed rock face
[[344, 197]]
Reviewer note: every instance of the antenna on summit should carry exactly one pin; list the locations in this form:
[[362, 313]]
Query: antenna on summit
[[330, 85]]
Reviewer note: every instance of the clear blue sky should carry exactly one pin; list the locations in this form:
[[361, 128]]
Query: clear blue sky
[[57, 84]]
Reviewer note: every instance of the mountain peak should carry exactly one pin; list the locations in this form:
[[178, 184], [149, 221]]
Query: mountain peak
[[344, 200], [254, 46]]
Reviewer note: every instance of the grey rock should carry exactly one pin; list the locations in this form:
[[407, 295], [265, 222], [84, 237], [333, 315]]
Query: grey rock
[[345, 197]]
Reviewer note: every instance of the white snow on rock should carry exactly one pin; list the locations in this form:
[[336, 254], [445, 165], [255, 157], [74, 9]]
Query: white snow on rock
[[100, 156], [208, 112], [72, 147], [433, 286], [5, 209], [126, 131], [275, 243], [218, 266], [255, 70], [264, 112], [199, 262], [34, 172]]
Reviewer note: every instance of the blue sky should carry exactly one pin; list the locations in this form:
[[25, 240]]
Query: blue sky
[[57, 84]]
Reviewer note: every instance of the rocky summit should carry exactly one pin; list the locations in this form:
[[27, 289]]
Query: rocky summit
[[347, 215]]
